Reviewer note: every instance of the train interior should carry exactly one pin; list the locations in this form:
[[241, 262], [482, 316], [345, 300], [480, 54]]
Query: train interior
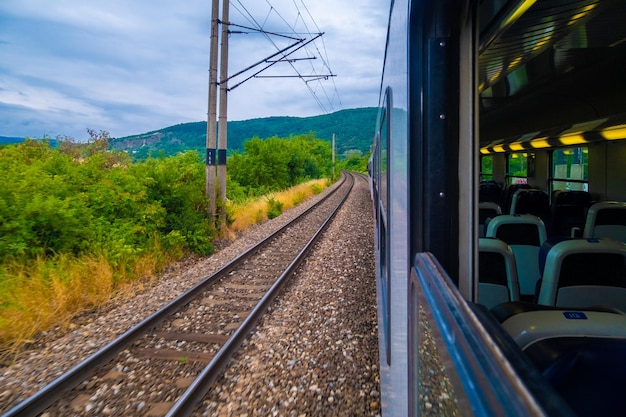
[[497, 171], [552, 200]]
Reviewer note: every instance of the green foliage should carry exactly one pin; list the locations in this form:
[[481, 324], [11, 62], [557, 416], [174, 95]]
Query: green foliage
[[81, 199], [316, 189], [355, 163], [276, 164], [274, 208]]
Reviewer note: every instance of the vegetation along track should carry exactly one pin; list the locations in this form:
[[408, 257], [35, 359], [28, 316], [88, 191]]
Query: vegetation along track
[[177, 352]]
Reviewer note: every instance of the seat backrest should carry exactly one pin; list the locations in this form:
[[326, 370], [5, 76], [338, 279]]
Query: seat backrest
[[490, 191], [581, 353], [524, 233], [508, 195], [606, 219], [497, 273], [585, 272], [486, 210], [531, 201], [568, 211]]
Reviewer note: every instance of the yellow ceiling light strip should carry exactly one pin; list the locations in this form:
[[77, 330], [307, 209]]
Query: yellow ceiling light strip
[[499, 148], [516, 146], [573, 139], [584, 12], [485, 151], [543, 42], [514, 63], [540, 143], [614, 132]]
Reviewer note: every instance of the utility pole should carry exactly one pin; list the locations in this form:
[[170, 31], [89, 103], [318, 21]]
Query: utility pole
[[223, 122], [333, 156], [210, 126]]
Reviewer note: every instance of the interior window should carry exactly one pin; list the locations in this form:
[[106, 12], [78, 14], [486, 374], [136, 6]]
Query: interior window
[[570, 169], [517, 168], [486, 167]]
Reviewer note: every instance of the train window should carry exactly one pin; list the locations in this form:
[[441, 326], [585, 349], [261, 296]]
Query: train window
[[486, 167], [383, 193], [517, 168], [570, 169]]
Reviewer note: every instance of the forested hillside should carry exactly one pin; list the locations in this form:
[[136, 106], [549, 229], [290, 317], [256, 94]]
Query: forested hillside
[[5, 140], [353, 129]]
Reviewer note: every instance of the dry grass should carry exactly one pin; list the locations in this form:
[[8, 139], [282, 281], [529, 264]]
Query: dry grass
[[255, 211], [49, 293]]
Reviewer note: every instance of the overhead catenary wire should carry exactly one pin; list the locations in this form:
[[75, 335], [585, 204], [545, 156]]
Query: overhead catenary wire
[[323, 56]]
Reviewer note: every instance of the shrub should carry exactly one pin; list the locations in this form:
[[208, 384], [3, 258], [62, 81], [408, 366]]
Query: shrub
[[274, 208], [316, 189]]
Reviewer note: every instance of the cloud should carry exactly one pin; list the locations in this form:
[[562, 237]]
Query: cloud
[[130, 67]]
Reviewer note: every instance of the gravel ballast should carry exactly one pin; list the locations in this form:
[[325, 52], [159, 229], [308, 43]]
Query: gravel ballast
[[315, 353]]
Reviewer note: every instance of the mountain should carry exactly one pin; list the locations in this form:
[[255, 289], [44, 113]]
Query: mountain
[[353, 129], [5, 140]]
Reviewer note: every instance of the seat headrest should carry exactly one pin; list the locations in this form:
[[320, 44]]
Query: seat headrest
[[545, 248]]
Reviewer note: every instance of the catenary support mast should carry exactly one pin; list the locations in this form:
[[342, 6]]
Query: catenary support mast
[[222, 135], [210, 129]]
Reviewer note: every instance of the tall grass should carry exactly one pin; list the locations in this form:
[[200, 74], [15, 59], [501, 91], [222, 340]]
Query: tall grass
[[49, 292], [255, 211]]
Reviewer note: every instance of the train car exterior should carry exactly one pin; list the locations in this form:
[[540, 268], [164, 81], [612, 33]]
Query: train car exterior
[[518, 94]]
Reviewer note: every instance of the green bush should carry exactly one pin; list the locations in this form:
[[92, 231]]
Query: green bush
[[274, 208], [316, 189], [276, 164], [82, 199]]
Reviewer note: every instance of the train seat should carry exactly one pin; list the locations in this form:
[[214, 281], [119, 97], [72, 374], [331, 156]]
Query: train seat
[[581, 353], [497, 273], [583, 272], [524, 233], [606, 219], [490, 191], [530, 327], [486, 210], [509, 191], [531, 201], [568, 211]]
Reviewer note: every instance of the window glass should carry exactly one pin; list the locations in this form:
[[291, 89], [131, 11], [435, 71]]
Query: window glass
[[486, 167], [570, 169], [517, 166], [383, 181]]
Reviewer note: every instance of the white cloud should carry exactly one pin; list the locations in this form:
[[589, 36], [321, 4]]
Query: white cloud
[[129, 67]]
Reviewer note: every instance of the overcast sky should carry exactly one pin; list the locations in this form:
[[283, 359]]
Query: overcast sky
[[132, 66]]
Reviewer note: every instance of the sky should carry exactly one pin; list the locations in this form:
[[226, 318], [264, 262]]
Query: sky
[[133, 66]]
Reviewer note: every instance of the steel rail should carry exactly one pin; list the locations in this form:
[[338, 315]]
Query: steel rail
[[188, 402], [35, 404]]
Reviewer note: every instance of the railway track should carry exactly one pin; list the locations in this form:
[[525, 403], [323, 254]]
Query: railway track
[[179, 351]]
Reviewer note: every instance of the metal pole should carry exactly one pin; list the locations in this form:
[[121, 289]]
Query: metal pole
[[333, 156], [210, 126], [223, 122]]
